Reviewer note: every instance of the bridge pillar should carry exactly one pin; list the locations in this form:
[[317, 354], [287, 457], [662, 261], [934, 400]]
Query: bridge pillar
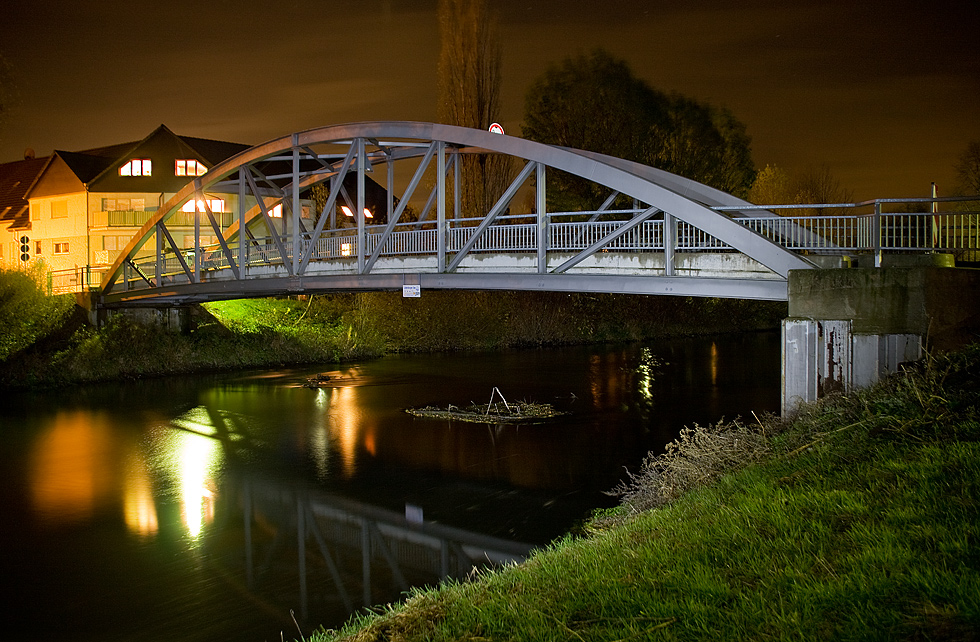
[[170, 318], [848, 328]]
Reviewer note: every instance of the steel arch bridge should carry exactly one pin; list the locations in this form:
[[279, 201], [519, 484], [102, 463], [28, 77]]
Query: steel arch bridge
[[278, 239]]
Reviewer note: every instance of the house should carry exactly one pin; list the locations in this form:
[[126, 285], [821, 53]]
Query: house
[[15, 223], [85, 206]]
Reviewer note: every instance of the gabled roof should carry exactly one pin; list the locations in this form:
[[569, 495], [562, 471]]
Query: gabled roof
[[160, 143], [15, 179], [98, 168], [84, 165], [214, 151]]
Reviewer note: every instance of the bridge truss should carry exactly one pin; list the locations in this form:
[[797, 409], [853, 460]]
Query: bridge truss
[[288, 237]]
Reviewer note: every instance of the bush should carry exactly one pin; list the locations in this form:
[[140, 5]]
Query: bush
[[27, 314]]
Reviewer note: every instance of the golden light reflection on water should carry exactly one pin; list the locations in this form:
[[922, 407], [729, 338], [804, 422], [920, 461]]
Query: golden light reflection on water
[[345, 424], [139, 507], [193, 460], [714, 363], [73, 467], [646, 371]]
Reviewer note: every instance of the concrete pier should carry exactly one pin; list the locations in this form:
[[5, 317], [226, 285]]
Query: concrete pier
[[849, 327]]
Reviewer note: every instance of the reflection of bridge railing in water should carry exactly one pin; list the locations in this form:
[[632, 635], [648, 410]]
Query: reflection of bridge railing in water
[[359, 545], [954, 232]]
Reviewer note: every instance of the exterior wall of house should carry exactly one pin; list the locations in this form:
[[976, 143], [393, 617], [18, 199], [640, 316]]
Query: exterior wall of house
[[59, 235], [116, 216]]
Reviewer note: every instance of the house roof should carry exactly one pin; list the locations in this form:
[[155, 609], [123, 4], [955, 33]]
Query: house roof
[[98, 168], [84, 165], [15, 179]]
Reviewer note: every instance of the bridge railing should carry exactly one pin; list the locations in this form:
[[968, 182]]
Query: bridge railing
[[952, 230]]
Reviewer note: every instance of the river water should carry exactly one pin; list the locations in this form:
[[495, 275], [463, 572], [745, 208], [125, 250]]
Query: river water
[[240, 506]]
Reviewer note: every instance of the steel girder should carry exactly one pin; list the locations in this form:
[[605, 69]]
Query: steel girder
[[677, 197]]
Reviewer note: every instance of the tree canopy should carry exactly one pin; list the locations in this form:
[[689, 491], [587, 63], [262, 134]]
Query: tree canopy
[[594, 102], [818, 185]]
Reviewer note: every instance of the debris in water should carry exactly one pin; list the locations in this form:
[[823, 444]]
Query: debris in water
[[491, 413]]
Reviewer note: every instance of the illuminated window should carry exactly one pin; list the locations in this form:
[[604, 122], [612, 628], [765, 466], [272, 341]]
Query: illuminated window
[[347, 212], [137, 167], [216, 205], [189, 167], [123, 204], [59, 209], [276, 212], [61, 248]]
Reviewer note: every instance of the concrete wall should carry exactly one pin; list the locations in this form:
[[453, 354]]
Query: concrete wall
[[847, 328], [941, 305]]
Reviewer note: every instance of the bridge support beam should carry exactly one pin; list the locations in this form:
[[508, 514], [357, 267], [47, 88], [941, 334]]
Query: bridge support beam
[[847, 328]]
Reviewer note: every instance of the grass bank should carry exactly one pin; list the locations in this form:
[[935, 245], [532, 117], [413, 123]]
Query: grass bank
[[45, 341], [53, 344], [858, 520]]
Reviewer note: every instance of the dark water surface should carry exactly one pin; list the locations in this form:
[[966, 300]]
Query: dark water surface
[[176, 509]]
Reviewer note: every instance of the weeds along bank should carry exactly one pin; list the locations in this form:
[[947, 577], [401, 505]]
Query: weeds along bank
[[858, 520], [45, 341]]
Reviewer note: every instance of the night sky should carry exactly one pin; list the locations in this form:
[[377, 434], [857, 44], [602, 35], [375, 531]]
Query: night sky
[[887, 94]]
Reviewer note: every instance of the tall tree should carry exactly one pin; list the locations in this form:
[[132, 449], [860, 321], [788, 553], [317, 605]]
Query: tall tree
[[968, 170], [6, 91], [594, 102], [469, 93]]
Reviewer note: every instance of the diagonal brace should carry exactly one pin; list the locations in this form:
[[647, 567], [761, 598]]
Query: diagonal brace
[[268, 220], [494, 212], [608, 238]]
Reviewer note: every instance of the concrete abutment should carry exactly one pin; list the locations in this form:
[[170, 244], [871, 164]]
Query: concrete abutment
[[849, 327]]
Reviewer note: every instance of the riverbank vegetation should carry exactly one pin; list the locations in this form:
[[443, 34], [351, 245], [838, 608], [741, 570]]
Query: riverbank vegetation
[[859, 519], [48, 341]]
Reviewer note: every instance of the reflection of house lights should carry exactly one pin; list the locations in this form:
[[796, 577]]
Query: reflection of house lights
[[348, 212], [195, 459], [139, 509], [345, 417], [71, 468]]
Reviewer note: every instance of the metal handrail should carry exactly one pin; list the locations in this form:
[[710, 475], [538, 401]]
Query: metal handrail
[[873, 232]]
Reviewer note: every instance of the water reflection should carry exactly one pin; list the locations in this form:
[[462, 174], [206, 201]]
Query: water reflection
[[139, 507], [334, 553], [135, 498], [345, 425], [74, 468]]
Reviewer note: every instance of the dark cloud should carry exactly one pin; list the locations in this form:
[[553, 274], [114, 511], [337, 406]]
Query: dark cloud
[[885, 93]]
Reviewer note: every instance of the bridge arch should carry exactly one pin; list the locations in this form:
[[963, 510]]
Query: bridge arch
[[291, 258]]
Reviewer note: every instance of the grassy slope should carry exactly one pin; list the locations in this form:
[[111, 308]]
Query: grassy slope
[[861, 521], [231, 335]]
